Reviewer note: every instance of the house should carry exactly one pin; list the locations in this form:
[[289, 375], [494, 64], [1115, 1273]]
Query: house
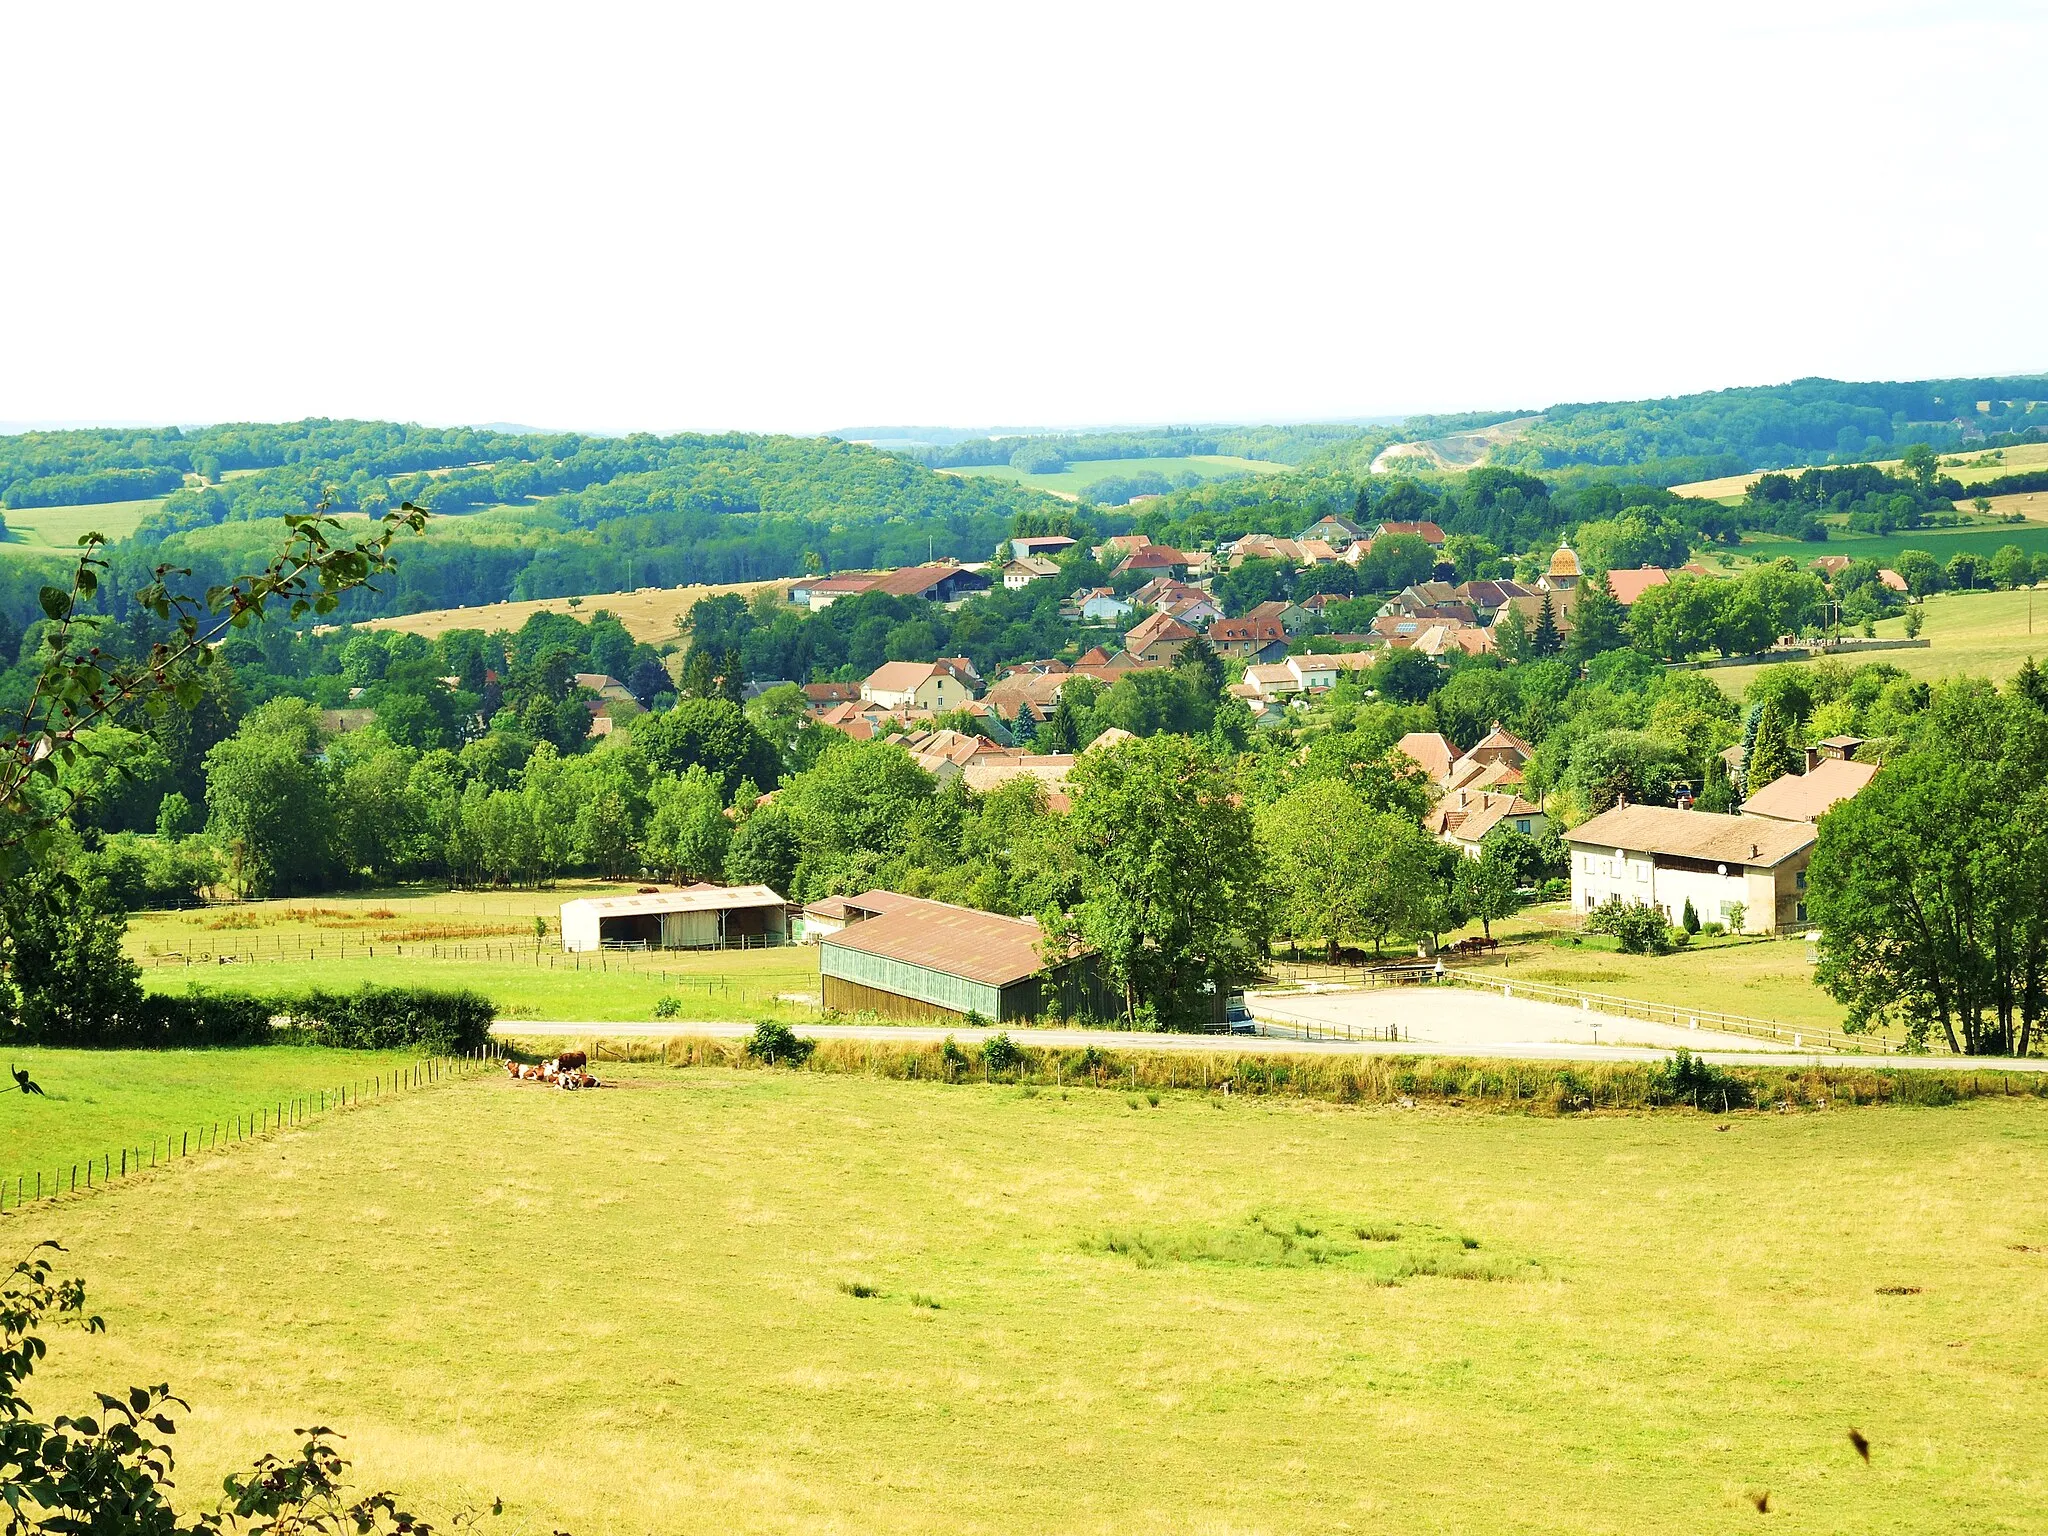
[[1500, 745], [699, 917], [946, 754], [1265, 546], [1043, 546], [1531, 609], [1486, 598], [1430, 751], [1099, 605], [932, 961], [1808, 796], [1028, 695], [1657, 856], [1049, 768], [1331, 529], [1463, 817], [1118, 545], [822, 592], [1831, 566], [1440, 638], [1317, 552], [1425, 597], [1261, 640], [1428, 532], [822, 696], [1025, 570], [1293, 617], [1156, 560], [1629, 585], [836, 912], [1270, 683], [604, 685], [606, 715], [1157, 639], [940, 583], [1893, 580], [927, 685], [1316, 674]]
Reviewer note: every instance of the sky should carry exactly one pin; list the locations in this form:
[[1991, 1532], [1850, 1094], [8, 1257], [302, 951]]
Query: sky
[[790, 217]]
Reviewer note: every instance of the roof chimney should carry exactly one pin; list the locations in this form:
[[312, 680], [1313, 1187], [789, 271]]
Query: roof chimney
[[1754, 851]]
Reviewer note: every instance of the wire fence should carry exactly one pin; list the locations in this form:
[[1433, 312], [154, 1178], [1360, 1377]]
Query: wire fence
[[286, 949], [283, 1113]]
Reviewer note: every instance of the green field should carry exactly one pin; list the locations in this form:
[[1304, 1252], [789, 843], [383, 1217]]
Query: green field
[[642, 1310], [1080, 474], [38, 530], [94, 1103], [1973, 634], [482, 940]]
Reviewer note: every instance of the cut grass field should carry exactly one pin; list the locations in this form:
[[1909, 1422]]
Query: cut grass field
[[1969, 468], [650, 614], [1969, 634], [1082, 473], [770, 1302], [44, 530], [482, 940], [94, 1103]]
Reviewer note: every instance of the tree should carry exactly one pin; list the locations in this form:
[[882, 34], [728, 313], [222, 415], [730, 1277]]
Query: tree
[[65, 980], [1174, 895], [2012, 567], [1930, 888], [1408, 676], [1640, 928], [687, 833], [1770, 756], [1202, 671], [1487, 887], [271, 809], [1920, 571], [1597, 620], [1511, 635], [1544, 639], [1921, 464], [712, 733], [1319, 841], [175, 817], [764, 851], [1677, 620]]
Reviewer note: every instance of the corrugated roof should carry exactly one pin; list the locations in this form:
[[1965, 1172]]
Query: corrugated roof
[[1807, 796], [955, 941], [714, 899], [1752, 840]]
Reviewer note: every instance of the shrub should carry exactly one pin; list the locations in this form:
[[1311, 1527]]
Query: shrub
[[1001, 1054], [374, 1018], [1641, 928], [772, 1042], [1689, 1078], [1691, 920], [956, 1060], [202, 1018], [668, 1007]]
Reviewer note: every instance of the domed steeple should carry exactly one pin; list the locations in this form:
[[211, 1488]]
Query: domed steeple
[[1564, 562]]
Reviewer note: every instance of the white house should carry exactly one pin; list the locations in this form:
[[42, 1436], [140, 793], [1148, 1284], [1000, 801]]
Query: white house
[[1026, 569], [1653, 855]]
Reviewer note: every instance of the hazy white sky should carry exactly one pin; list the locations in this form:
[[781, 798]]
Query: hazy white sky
[[805, 217]]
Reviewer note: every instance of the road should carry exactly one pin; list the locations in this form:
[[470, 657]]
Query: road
[[1125, 1040]]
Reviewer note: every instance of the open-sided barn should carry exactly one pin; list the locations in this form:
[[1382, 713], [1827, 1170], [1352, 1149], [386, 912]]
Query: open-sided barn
[[702, 917]]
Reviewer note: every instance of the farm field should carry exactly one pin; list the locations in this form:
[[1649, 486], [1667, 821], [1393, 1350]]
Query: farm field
[[39, 530], [768, 1302], [651, 614], [1975, 634], [1965, 467], [482, 940], [1938, 542], [97, 1102], [1082, 473]]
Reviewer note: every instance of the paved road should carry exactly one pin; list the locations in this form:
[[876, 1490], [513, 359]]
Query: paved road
[[1123, 1040]]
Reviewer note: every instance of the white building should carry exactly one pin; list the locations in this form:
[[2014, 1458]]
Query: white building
[[703, 917], [1653, 855], [932, 685]]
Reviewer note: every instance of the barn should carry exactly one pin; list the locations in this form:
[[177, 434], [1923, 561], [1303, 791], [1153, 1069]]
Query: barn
[[697, 917], [928, 960]]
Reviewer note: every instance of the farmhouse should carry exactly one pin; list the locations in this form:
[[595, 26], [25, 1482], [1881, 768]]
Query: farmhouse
[[1808, 796], [1656, 856], [701, 917], [1157, 639], [934, 685], [1026, 569], [931, 960], [1463, 817]]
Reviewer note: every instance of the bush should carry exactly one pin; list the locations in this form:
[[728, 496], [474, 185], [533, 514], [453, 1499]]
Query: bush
[[374, 1018], [999, 1053], [668, 1006], [772, 1042], [1641, 929], [1687, 1078], [1691, 921]]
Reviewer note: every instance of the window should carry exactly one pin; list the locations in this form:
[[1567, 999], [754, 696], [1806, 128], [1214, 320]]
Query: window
[[1642, 872], [1799, 880], [1802, 911], [1522, 825]]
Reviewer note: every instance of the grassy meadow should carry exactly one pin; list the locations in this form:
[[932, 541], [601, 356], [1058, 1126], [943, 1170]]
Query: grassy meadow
[[1082, 473], [772, 1302], [41, 530], [479, 939], [651, 614], [1976, 634], [1968, 468], [94, 1103]]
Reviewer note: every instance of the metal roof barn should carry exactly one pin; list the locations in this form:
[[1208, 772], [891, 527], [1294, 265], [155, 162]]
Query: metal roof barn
[[702, 917], [930, 960]]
